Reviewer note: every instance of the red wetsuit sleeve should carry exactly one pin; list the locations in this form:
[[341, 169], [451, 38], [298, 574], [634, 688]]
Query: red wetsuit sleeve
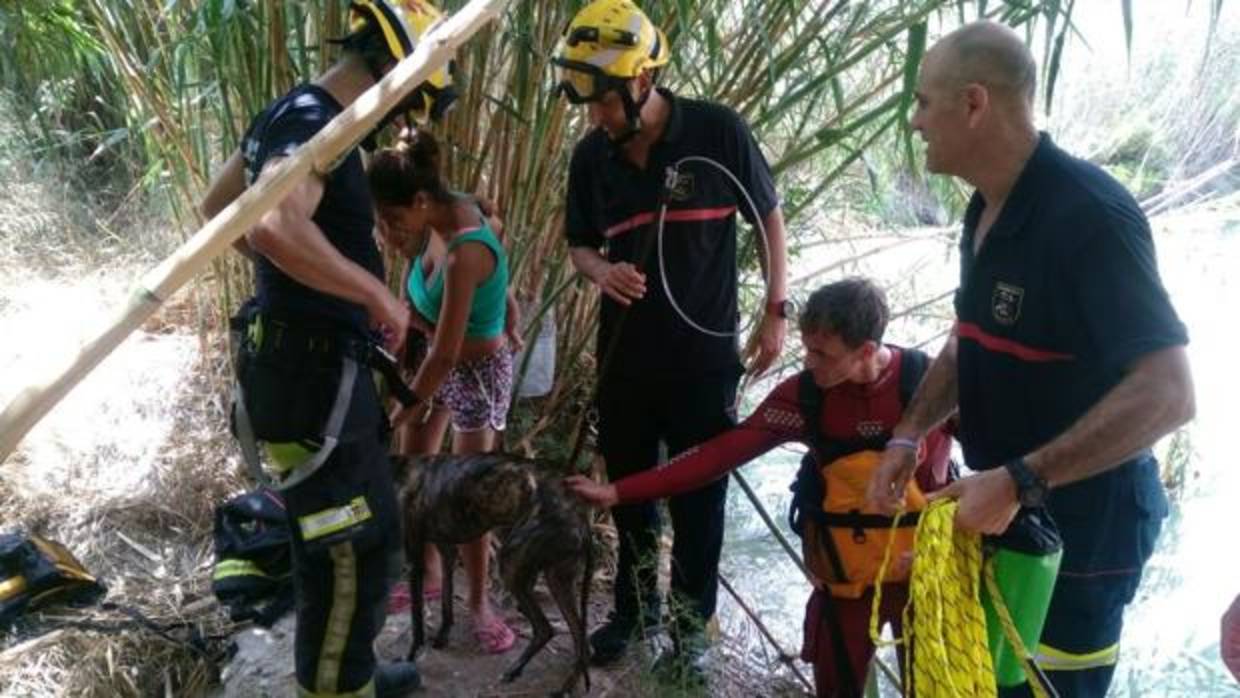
[[776, 421]]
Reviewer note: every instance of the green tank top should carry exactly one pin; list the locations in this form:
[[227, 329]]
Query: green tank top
[[490, 304]]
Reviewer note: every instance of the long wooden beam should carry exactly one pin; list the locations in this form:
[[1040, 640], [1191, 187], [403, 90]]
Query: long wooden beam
[[434, 49]]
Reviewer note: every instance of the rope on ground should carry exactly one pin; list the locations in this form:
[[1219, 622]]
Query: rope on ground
[[945, 617], [784, 657]]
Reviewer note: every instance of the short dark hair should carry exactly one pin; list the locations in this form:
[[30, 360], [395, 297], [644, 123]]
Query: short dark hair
[[853, 309]]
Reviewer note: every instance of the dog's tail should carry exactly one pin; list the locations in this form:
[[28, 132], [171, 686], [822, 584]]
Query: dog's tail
[[587, 582]]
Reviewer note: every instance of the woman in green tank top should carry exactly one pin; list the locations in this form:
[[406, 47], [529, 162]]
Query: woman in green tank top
[[458, 289]]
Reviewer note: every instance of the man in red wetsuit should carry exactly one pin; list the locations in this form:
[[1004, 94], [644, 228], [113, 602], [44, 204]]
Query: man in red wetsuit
[[842, 329]]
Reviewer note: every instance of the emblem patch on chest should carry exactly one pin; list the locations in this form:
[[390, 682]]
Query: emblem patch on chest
[[869, 430], [1005, 303], [682, 188]]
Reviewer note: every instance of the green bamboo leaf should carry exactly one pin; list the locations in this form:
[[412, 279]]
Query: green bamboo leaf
[[1127, 7], [912, 65]]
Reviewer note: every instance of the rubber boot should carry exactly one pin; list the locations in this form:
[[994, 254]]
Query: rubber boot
[[396, 680]]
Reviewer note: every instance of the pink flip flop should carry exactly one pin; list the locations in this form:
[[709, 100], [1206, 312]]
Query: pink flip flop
[[399, 600], [495, 637]]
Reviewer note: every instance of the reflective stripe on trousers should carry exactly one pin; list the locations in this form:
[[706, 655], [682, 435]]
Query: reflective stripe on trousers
[[1052, 659]]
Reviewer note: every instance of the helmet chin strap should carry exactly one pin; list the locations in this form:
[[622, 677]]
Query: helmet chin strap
[[632, 114]]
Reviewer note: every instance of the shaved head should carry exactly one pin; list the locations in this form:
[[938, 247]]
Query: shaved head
[[986, 53]]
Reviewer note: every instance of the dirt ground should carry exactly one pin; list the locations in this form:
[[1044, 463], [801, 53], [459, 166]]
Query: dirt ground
[[262, 666]]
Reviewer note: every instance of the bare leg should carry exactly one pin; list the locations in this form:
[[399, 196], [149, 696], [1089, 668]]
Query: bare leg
[[476, 554]]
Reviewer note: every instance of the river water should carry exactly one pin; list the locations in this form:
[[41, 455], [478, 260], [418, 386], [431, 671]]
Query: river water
[[1170, 644]]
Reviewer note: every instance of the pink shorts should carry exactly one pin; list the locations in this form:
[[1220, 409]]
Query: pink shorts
[[477, 392]]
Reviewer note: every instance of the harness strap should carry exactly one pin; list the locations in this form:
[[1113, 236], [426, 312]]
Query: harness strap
[[855, 519], [331, 432]]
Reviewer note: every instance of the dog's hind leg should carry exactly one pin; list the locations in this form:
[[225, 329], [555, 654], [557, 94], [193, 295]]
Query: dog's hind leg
[[562, 579], [447, 557], [520, 582]]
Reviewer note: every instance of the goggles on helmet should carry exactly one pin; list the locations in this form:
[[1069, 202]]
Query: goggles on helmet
[[582, 82]]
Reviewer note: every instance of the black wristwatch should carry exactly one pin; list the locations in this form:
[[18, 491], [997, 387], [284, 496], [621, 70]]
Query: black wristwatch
[[1031, 488]]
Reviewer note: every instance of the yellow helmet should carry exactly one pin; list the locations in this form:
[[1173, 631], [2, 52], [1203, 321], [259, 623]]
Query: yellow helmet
[[608, 43], [399, 23]]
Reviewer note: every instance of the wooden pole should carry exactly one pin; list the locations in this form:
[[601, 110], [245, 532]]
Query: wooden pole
[[434, 49]]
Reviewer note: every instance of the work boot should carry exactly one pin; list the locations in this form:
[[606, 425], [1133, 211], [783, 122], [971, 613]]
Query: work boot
[[684, 664], [609, 642], [396, 679]]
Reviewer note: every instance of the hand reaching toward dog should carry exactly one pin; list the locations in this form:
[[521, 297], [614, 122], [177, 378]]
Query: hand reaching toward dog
[[595, 493]]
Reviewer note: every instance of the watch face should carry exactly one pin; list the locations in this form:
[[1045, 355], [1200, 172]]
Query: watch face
[[1033, 494]]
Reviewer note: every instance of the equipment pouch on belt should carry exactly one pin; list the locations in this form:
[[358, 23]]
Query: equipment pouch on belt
[[289, 377], [339, 505]]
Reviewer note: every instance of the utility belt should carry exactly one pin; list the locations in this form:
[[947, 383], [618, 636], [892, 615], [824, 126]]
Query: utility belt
[[295, 387]]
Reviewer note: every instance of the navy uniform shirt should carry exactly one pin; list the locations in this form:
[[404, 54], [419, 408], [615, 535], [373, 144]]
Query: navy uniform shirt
[[613, 203], [344, 214], [1062, 298]]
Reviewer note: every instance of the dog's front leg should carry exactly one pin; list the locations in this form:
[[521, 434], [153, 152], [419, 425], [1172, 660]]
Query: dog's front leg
[[417, 568], [447, 557]]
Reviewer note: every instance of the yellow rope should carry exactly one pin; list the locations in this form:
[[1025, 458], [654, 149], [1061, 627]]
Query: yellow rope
[[945, 616]]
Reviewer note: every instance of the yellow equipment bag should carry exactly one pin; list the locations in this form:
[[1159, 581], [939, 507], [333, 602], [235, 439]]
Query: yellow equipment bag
[[845, 542]]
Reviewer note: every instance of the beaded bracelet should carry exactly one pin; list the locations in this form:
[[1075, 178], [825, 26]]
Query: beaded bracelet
[[900, 442]]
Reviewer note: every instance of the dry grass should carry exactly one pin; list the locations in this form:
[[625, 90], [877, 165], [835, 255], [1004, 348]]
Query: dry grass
[[151, 546]]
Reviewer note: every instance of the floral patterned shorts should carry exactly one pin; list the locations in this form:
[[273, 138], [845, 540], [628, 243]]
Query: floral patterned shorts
[[477, 392]]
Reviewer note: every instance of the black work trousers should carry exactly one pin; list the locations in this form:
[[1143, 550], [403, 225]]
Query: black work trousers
[[341, 577], [635, 416]]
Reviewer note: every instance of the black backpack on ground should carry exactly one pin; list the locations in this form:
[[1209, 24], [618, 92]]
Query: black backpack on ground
[[35, 572], [253, 557]]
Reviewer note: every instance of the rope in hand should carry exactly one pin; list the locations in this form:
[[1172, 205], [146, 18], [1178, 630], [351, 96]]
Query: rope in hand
[[944, 616]]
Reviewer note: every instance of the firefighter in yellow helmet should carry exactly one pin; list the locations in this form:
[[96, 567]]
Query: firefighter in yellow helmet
[[662, 379], [608, 44], [320, 307]]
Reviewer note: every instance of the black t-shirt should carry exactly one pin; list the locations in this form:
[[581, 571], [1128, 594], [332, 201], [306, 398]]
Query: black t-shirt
[[344, 214], [614, 204], [1063, 296]]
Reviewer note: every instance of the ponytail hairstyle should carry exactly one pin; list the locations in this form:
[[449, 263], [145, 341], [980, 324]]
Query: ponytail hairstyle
[[399, 173]]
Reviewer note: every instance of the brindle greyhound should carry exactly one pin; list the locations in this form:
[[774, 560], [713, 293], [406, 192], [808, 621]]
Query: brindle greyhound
[[543, 529]]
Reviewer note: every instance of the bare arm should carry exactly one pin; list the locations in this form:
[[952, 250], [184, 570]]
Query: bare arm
[[767, 343], [1154, 398], [932, 403], [621, 281], [288, 237], [464, 268], [225, 187], [935, 399]]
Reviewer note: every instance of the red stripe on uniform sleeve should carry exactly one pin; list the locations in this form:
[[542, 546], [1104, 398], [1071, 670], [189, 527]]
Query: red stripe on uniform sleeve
[[1010, 347]]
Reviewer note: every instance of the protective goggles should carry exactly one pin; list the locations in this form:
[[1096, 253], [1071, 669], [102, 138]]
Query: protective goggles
[[582, 82]]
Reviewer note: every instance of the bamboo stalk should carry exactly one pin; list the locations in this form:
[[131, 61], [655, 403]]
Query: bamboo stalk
[[770, 524], [785, 657], [345, 131]]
